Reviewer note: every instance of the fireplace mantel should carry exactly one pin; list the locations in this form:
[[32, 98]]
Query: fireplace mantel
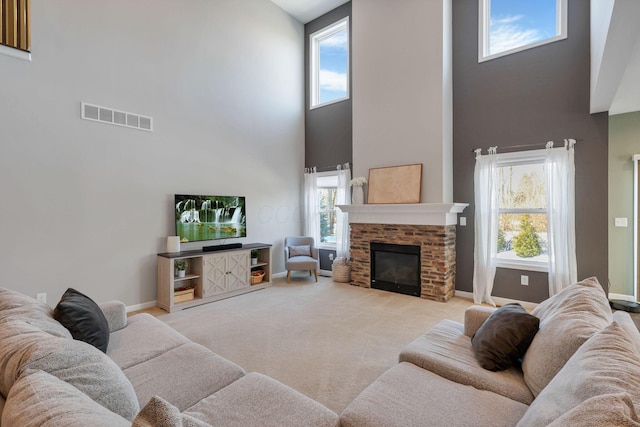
[[413, 214]]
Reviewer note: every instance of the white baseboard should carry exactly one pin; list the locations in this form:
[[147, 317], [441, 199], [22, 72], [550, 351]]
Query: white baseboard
[[142, 306], [278, 275], [621, 296], [498, 300]]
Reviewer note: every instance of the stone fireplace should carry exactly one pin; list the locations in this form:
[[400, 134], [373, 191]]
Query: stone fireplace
[[429, 227]]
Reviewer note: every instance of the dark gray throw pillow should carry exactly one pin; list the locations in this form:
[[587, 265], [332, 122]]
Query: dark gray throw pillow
[[504, 337], [83, 318]]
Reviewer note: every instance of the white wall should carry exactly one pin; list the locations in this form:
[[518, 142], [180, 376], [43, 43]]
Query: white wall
[[89, 205], [402, 96]]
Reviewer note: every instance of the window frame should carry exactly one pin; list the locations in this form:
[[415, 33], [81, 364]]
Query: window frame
[[314, 62], [321, 244], [484, 25], [518, 159]]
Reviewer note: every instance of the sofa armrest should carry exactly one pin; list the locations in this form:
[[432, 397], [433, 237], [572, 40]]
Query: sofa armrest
[[116, 314], [474, 317]]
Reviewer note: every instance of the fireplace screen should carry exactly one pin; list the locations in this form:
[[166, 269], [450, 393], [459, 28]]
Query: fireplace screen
[[395, 268]]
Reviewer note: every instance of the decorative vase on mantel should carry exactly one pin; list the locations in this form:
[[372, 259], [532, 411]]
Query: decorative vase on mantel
[[357, 195]]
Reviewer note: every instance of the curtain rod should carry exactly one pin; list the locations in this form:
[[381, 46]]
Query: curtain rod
[[527, 146], [331, 168]]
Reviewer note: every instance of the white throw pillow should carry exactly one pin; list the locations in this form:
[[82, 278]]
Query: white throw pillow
[[301, 250]]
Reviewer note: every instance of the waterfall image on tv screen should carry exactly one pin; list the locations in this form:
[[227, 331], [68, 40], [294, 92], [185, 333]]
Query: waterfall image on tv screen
[[209, 217]]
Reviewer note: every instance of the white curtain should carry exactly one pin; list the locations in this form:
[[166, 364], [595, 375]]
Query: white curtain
[[343, 197], [311, 214], [560, 181], [486, 226]]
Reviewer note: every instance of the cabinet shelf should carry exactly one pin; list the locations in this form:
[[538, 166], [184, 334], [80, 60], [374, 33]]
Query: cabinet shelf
[[186, 277], [260, 264]]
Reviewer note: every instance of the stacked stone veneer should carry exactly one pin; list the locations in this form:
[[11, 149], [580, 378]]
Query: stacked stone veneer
[[437, 254]]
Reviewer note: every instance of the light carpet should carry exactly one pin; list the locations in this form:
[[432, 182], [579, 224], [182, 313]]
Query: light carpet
[[327, 340]]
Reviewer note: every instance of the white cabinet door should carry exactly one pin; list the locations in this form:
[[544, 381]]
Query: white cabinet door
[[215, 275], [239, 267]]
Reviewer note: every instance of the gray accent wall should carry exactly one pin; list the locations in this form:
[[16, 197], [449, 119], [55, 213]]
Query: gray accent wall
[[89, 205], [529, 98], [328, 129]]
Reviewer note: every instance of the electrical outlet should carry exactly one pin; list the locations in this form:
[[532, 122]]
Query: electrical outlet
[[524, 280], [41, 297], [621, 222], [463, 221]]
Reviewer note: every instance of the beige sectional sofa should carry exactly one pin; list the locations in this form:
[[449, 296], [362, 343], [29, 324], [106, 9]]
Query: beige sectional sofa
[[581, 369], [150, 375]]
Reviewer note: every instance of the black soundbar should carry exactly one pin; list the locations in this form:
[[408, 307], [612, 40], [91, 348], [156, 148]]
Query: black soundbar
[[221, 247]]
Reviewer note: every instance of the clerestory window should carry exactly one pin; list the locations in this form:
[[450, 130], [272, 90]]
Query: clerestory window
[[329, 64], [508, 26]]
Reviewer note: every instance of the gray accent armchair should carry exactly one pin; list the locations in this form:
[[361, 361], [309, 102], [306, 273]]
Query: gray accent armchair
[[301, 253]]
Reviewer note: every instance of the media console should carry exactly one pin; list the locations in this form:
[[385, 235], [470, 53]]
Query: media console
[[211, 275]]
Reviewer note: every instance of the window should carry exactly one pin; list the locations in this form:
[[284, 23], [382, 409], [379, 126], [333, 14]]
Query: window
[[329, 64], [15, 31], [508, 26], [327, 191], [522, 213]]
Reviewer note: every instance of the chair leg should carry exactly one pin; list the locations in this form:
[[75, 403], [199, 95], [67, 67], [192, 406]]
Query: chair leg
[[309, 272], [288, 276], [315, 272]]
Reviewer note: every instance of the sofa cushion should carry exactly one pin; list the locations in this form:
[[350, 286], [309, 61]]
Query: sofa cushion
[[42, 400], [257, 400], [606, 364], [83, 318], [611, 410], [15, 305], [89, 370], [408, 396], [503, 339], [18, 341], [446, 351], [567, 320], [160, 413], [190, 373], [144, 338]]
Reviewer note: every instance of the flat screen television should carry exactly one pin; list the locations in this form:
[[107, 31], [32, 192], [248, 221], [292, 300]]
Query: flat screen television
[[200, 218]]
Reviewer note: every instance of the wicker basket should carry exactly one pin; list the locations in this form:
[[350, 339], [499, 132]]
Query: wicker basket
[[341, 273], [257, 276]]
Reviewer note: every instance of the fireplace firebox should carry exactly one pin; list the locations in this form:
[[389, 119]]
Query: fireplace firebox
[[395, 268]]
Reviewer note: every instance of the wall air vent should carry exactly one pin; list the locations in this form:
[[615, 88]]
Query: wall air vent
[[115, 117]]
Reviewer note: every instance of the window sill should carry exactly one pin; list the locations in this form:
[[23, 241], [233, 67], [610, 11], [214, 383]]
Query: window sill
[[327, 247], [522, 265], [324, 104], [15, 53]]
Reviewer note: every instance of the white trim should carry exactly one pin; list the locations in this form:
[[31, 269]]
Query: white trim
[[142, 306], [15, 53], [314, 40], [522, 265], [484, 17], [498, 300], [279, 275], [635, 158], [622, 297]]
